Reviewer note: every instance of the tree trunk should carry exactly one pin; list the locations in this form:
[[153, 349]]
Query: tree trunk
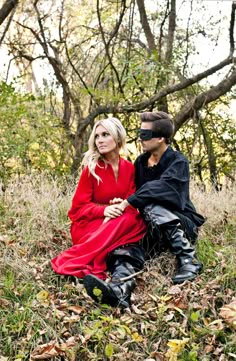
[[211, 156]]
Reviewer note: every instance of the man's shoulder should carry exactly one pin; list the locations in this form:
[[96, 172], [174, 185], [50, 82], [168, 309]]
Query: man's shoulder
[[175, 154]]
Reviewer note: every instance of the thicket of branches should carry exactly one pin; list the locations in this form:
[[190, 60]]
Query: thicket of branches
[[120, 58]]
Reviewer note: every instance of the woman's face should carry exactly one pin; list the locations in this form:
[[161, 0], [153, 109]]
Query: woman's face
[[105, 143]]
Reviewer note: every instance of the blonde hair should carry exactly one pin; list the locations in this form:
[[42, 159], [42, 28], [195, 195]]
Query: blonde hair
[[118, 133]]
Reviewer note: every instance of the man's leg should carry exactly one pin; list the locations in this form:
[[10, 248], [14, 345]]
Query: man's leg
[[173, 234], [188, 265], [122, 263]]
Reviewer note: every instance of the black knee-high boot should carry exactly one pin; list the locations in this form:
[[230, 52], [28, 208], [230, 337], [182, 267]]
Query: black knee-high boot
[[122, 263], [188, 265]]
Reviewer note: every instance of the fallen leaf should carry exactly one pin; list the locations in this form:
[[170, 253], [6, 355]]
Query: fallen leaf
[[195, 316], [153, 297], [208, 349], [109, 350], [126, 319], [136, 310], [136, 337], [51, 349], [228, 313], [3, 238], [97, 292], [59, 314], [169, 317], [175, 347], [174, 290], [4, 303], [45, 351], [72, 319], [216, 325], [43, 297], [76, 309], [159, 356]]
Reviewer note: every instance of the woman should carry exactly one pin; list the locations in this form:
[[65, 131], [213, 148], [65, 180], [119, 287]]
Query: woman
[[98, 225]]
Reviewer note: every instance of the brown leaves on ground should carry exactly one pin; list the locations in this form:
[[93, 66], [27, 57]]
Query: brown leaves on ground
[[228, 313], [165, 322], [52, 349]]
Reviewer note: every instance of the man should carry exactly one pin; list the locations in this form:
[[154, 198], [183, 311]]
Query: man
[[162, 196]]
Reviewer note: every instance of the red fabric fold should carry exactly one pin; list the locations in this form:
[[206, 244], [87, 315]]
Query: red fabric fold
[[92, 239]]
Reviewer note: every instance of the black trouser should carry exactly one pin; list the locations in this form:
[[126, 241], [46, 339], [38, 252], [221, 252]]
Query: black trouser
[[158, 220], [154, 242], [126, 260]]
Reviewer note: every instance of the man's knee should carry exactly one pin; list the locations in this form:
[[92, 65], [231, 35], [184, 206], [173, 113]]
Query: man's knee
[[131, 253]]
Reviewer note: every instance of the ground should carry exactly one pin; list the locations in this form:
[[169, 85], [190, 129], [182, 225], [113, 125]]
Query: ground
[[46, 316]]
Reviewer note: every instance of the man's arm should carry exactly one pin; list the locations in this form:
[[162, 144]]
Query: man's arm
[[172, 189]]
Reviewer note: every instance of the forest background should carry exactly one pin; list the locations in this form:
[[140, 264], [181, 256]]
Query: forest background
[[63, 65]]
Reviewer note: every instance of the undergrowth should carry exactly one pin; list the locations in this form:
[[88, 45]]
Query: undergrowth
[[47, 316]]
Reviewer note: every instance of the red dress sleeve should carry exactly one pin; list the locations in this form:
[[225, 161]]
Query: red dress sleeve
[[83, 206]]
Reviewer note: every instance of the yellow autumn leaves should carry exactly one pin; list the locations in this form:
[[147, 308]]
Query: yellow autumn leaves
[[175, 347]]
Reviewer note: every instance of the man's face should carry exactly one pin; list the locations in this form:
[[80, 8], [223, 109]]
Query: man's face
[[149, 144]]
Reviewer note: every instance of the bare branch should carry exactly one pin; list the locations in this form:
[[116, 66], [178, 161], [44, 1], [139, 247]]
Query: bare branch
[[161, 31], [60, 75], [7, 8], [224, 86], [44, 42], [106, 44], [187, 38], [76, 71], [204, 98]]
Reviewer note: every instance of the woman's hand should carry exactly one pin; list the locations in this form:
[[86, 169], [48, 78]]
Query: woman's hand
[[113, 211], [123, 205], [116, 201]]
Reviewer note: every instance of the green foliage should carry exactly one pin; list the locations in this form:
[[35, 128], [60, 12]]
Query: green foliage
[[99, 55], [30, 139], [217, 127]]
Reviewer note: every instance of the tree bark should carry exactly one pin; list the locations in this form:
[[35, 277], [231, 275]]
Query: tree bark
[[146, 27], [210, 155], [7, 8], [171, 32]]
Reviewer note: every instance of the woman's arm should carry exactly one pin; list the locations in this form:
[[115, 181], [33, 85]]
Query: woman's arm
[[82, 205]]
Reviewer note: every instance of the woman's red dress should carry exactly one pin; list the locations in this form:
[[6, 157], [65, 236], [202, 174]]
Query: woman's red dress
[[92, 239]]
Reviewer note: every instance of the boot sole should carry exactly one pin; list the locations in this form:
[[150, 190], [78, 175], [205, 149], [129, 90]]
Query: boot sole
[[181, 280], [100, 292], [190, 277]]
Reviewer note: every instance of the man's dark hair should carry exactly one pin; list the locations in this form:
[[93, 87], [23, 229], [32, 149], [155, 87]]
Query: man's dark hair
[[161, 123]]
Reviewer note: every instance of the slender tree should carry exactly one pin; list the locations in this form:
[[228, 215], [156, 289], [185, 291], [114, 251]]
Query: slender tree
[[104, 67]]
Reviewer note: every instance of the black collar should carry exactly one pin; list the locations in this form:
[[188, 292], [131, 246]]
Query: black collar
[[165, 156]]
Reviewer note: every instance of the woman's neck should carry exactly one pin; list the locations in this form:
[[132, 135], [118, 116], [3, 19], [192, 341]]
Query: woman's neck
[[112, 158]]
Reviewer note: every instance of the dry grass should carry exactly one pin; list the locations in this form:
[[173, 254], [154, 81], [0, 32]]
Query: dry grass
[[34, 228], [216, 206]]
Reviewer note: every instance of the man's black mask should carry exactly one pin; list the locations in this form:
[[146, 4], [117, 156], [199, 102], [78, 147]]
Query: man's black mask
[[147, 134]]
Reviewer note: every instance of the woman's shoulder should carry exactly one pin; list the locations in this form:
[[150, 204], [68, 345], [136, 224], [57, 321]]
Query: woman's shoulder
[[126, 163]]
